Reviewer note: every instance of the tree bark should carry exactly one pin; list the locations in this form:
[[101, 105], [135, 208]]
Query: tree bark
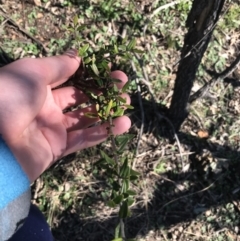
[[201, 22]]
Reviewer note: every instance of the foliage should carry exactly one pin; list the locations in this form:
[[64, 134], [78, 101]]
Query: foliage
[[95, 76]]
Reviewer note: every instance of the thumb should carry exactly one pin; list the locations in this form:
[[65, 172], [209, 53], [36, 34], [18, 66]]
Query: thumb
[[58, 69], [52, 71]]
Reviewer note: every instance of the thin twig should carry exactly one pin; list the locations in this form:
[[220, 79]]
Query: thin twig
[[157, 10], [197, 235], [201, 92]]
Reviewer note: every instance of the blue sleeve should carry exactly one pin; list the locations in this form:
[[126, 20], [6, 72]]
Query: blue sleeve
[[15, 193]]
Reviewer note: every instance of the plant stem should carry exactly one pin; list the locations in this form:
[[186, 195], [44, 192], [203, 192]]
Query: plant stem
[[122, 227], [116, 158], [114, 146]]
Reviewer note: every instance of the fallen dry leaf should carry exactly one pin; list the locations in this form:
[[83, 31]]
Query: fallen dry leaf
[[203, 134]]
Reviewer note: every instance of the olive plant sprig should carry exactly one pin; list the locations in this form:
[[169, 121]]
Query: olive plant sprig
[[95, 80]]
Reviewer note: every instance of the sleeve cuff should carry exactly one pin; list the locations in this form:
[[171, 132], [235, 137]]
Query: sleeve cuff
[[15, 194]]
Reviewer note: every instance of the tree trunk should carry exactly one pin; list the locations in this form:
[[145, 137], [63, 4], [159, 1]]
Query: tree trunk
[[201, 22]]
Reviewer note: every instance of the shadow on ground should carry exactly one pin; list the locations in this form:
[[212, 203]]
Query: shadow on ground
[[171, 204], [208, 189]]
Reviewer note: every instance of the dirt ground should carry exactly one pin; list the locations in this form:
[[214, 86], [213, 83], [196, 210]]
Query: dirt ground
[[189, 187]]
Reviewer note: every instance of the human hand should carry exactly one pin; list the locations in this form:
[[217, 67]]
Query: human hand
[[32, 121]]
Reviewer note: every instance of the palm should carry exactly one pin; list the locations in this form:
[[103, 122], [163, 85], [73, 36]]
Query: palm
[[48, 130], [34, 126]]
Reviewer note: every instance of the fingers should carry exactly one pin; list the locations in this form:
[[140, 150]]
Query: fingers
[[81, 139], [78, 120], [50, 70]]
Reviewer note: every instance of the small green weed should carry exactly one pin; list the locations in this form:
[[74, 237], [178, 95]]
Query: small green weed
[[231, 18], [160, 167]]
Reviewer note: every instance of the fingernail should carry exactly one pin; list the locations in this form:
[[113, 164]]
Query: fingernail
[[71, 53]]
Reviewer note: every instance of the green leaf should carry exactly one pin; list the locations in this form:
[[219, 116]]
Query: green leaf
[[85, 47], [130, 201], [123, 212], [100, 115], [104, 65], [115, 49], [133, 178], [126, 86], [134, 173], [109, 107], [124, 40], [124, 168], [131, 192], [115, 186], [108, 159], [111, 204], [93, 95], [95, 69], [75, 20], [121, 138], [122, 141], [122, 48], [83, 50], [123, 187], [118, 199], [99, 82], [100, 162], [127, 56], [80, 28], [114, 104], [123, 100], [130, 107], [126, 173], [118, 112], [117, 239], [122, 144], [87, 60], [101, 98], [138, 51], [116, 80], [70, 29], [131, 44], [126, 184], [91, 115], [115, 88]]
